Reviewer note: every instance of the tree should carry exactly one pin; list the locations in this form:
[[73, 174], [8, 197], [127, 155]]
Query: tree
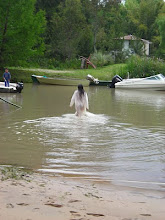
[[142, 15], [68, 28], [161, 25], [105, 21], [114, 24], [20, 32]]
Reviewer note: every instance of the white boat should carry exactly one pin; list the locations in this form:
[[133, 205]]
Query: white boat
[[59, 81], [156, 82], [13, 88]]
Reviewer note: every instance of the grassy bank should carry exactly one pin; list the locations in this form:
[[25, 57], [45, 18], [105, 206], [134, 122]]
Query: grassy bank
[[104, 73], [136, 66]]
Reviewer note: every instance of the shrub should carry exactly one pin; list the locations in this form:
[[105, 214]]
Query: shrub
[[144, 66], [68, 64], [99, 59]]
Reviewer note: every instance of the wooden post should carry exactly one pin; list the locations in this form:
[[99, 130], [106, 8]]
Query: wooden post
[[83, 63]]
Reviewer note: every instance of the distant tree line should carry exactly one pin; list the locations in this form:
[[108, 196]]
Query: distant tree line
[[61, 30]]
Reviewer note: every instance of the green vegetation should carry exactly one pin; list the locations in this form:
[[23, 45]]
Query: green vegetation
[[13, 173], [21, 32], [104, 73], [143, 66], [53, 34], [136, 66], [100, 59]]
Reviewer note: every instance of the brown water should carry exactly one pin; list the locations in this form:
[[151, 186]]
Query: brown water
[[121, 140]]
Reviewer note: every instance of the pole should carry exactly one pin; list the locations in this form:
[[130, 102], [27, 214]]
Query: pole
[[10, 103]]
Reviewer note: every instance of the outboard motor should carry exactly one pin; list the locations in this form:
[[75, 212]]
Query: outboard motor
[[19, 87], [115, 79], [92, 79]]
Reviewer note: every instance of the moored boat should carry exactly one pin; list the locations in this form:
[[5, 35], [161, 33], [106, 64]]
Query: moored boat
[[13, 87], [97, 82], [59, 81], [156, 82], [101, 83]]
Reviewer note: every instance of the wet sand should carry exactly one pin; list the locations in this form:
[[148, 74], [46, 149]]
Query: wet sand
[[41, 197]]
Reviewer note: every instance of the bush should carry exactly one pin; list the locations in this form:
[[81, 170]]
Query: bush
[[99, 59], [68, 64], [52, 63], [144, 66]]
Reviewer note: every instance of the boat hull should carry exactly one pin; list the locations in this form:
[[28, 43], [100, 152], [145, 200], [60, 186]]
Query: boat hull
[[13, 88], [58, 81], [151, 86], [156, 82], [34, 79], [101, 83]]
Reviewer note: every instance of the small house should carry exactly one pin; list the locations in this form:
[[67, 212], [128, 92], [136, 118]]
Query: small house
[[127, 44]]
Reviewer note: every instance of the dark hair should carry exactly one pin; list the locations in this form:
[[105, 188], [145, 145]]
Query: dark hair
[[81, 90]]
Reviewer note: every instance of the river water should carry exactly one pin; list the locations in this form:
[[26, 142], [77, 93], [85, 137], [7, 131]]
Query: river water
[[120, 141]]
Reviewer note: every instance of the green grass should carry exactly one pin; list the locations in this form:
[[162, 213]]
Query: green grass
[[136, 66], [104, 73], [13, 173]]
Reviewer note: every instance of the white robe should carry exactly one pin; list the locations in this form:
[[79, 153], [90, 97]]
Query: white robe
[[81, 104]]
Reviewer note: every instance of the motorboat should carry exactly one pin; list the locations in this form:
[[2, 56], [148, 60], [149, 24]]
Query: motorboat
[[13, 87], [59, 81], [156, 82], [97, 82]]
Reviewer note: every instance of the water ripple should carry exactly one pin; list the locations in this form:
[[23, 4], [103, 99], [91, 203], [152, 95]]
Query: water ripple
[[99, 146]]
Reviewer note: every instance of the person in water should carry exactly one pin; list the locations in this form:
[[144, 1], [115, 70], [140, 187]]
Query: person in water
[[7, 77], [80, 99]]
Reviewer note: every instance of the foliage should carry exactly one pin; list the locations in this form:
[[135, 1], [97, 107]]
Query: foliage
[[142, 16], [68, 64], [99, 59], [20, 32], [20, 76], [137, 47], [143, 66], [114, 27], [67, 31], [13, 173], [63, 30], [161, 25]]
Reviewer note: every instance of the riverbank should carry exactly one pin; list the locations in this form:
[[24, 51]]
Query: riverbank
[[40, 197], [104, 73]]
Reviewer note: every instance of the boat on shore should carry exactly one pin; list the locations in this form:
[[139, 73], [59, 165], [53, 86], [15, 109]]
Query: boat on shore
[[156, 82], [13, 87], [59, 81]]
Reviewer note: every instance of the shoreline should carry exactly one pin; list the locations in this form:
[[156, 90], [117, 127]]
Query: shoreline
[[41, 197]]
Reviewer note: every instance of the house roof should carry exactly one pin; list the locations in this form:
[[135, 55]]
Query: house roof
[[132, 37], [129, 37]]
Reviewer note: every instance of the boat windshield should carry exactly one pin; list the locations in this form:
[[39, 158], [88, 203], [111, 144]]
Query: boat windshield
[[156, 77]]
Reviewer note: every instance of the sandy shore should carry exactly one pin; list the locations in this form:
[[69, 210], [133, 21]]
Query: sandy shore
[[50, 198]]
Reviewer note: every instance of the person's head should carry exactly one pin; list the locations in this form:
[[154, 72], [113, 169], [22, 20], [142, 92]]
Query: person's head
[[81, 90], [80, 87], [6, 70]]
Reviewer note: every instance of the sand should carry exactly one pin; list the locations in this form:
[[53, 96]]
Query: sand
[[42, 197]]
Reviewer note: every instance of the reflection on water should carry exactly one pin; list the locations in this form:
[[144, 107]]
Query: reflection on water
[[122, 140], [150, 98]]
